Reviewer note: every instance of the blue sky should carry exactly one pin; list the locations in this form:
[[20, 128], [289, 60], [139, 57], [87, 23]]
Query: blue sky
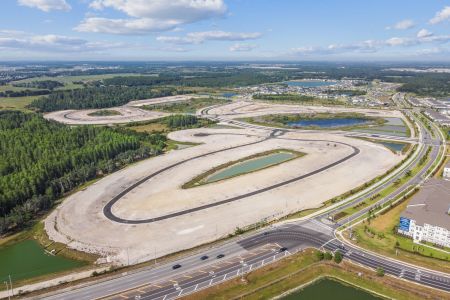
[[225, 30]]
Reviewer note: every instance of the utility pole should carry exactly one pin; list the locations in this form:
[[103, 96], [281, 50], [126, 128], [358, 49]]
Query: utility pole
[[7, 289], [10, 285]]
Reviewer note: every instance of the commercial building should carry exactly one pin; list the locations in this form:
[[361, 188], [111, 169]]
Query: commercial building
[[446, 173], [426, 218], [438, 117]]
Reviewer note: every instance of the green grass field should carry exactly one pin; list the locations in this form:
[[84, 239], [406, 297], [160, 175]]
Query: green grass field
[[16, 102], [68, 80]]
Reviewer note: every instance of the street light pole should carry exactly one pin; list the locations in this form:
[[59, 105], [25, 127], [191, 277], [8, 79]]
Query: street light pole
[[10, 285], [7, 289]]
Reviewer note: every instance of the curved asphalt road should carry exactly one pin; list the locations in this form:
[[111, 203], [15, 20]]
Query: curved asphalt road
[[107, 209]]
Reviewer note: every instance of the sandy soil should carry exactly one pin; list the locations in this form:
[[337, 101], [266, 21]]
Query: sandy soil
[[80, 223], [128, 113]]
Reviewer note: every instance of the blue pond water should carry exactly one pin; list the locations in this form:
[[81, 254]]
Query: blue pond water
[[398, 147], [310, 83], [328, 123], [229, 95]]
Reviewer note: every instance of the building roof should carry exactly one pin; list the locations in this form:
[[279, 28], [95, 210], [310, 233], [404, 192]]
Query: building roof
[[431, 204]]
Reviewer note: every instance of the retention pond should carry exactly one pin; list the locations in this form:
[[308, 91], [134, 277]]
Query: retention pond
[[28, 259], [243, 166], [331, 289], [328, 123], [251, 166]]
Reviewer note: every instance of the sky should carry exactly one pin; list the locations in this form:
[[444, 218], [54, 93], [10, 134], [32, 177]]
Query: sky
[[294, 30]]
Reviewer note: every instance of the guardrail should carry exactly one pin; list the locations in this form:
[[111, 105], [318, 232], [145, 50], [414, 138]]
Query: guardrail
[[215, 280]]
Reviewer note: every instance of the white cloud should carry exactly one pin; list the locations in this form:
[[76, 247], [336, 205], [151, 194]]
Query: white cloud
[[441, 16], [423, 37], [46, 5], [125, 26], [400, 41], [50, 43], [305, 50], [424, 33], [183, 10], [242, 47], [431, 51], [362, 47], [402, 25], [150, 15], [200, 37]]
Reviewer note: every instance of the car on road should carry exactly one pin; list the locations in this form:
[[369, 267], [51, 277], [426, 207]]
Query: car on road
[[282, 249], [220, 256], [177, 266], [204, 257]]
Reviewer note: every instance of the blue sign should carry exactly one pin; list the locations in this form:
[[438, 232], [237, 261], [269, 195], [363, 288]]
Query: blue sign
[[404, 224]]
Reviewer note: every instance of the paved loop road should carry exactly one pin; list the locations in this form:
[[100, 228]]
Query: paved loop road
[[107, 210]]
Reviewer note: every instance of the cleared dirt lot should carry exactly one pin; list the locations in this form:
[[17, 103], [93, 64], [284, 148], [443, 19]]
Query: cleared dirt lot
[[80, 222], [243, 109], [128, 113]]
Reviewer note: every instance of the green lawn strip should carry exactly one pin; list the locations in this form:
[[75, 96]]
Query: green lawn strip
[[378, 233], [17, 103], [173, 145], [384, 193], [390, 244], [104, 113], [199, 180], [339, 198], [189, 106], [68, 81]]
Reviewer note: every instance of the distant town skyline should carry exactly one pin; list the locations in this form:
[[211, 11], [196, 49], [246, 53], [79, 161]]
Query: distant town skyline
[[225, 30]]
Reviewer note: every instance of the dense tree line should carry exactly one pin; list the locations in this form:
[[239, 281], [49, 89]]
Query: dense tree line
[[41, 160], [23, 93], [346, 92], [212, 79], [40, 84], [189, 106], [98, 97], [436, 85], [140, 80], [181, 121]]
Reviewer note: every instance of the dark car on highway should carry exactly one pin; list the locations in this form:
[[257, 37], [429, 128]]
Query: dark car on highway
[[174, 267], [220, 256], [204, 257]]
